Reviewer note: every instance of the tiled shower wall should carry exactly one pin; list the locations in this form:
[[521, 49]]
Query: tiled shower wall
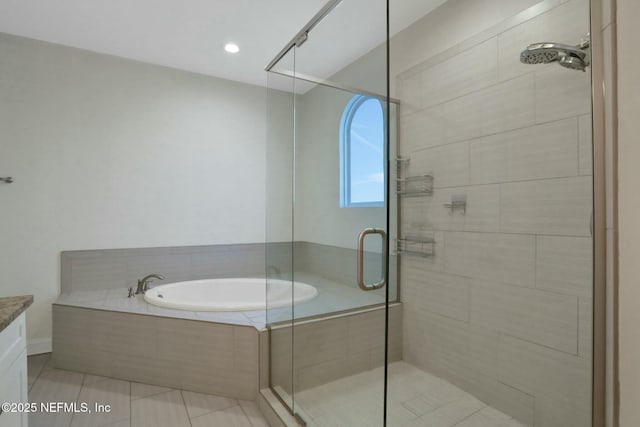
[[504, 307]]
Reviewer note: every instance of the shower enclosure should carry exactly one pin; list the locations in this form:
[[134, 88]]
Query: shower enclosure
[[433, 180]]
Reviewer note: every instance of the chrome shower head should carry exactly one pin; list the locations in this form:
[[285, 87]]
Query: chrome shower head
[[573, 63], [539, 53], [573, 57]]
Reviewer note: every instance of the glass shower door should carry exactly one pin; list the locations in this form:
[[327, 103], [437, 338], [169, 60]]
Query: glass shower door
[[328, 346]]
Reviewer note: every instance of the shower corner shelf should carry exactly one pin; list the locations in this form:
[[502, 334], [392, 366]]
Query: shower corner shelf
[[400, 163], [420, 185], [416, 246]]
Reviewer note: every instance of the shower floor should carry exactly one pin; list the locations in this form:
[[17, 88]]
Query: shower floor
[[416, 398]]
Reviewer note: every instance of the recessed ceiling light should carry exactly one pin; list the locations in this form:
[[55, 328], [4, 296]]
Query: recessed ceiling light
[[231, 48]]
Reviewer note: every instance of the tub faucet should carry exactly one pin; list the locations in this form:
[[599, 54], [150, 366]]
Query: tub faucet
[[143, 284]]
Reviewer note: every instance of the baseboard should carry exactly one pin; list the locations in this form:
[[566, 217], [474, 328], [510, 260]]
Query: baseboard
[[38, 346]]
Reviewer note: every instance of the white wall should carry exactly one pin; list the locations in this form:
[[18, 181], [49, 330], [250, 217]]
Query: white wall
[[628, 35], [112, 153]]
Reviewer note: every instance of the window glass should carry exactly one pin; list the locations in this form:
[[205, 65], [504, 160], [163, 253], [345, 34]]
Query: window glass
[[362, 139]]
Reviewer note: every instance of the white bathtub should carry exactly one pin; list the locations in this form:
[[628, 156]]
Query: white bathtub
[[237, 294]]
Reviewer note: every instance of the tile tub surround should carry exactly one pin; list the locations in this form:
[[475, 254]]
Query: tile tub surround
[[332, 348], [12, 307], [332, 297], [101, 270], [134, 404], [215, 352], [504, 308], [192, 355], [117, 268]]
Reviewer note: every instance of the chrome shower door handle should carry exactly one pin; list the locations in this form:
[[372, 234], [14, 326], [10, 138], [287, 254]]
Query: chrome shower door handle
[[361, 237]]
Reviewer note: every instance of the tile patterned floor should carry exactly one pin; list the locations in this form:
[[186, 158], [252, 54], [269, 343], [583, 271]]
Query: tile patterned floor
[[133, 404], [416, 398]]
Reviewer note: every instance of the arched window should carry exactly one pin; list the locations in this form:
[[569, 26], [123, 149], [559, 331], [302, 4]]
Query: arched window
[[362, 153]]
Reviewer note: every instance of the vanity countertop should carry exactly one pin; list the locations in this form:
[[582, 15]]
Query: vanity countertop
[[12, 307]]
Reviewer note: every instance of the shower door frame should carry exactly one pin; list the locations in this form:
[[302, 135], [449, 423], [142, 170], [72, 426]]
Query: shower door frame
[[605, 372]]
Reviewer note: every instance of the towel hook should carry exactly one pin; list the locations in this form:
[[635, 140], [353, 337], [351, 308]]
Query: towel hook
[[6, 179]]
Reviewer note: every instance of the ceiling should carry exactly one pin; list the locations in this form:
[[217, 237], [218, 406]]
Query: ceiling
[[190, 34]]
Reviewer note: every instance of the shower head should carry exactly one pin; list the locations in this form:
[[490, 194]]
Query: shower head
[[573, 57], [573, 63]]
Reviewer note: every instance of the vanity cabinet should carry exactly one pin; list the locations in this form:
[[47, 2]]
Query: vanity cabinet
[[13, 370]]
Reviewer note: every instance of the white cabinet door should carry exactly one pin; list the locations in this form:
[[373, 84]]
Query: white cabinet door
[[14, 388], [13, 371]]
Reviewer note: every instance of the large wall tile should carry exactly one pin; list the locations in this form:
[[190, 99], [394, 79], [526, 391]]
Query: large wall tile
[[410, 92], [505, 106], [543, 151], [429, 213], [441, 344], [421, 129], [542, 371], [510, 44], [538, 316], [483, 208], [558, 411], [445, 294], [448, 164], [565, 265], [561, 93], [554, 206], [506, 258], [473, 69], [567, 23]]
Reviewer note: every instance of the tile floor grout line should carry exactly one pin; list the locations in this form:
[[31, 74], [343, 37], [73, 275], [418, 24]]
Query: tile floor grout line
[[73, 414], [152, 394], [184, 402], [213, 412], [469, 416], [39, 372], [130, 404], [245, 414], [84, 385]]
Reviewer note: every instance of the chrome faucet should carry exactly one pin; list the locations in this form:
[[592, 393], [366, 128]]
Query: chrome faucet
[[143, 284]]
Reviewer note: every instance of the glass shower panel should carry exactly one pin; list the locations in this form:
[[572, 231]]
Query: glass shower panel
[[341, 233], [328, 348], [279, 227], [498, 318]]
